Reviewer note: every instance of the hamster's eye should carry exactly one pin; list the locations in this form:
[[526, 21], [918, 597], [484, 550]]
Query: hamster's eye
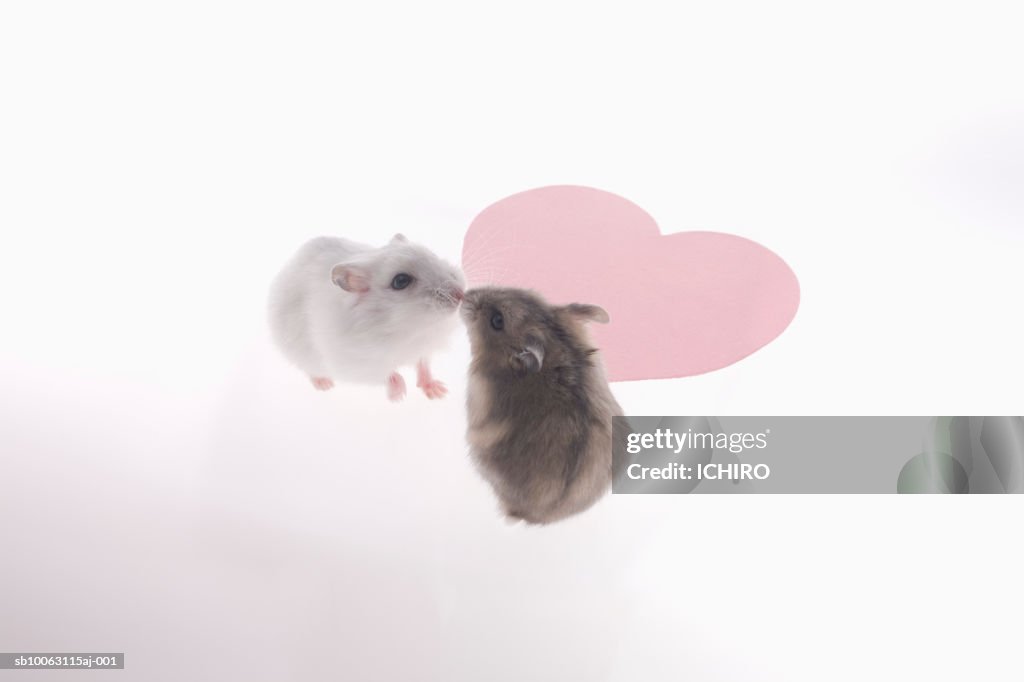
[[401, 281], [497, 321]]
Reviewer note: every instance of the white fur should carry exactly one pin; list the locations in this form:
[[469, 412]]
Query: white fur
[[362, 337]]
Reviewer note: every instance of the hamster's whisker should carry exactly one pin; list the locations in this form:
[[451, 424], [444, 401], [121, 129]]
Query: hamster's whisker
[[486, 256], [446, 297], [491, 275], [487, 267], [478, 277], [487, 241]]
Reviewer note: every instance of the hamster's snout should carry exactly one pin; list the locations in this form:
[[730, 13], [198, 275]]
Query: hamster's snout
[[451, 296], [468, 309]]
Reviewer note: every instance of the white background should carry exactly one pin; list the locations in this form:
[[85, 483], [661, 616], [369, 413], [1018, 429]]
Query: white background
[[171, 488]]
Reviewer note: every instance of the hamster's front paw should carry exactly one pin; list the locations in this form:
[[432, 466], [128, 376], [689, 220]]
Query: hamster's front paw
[[432, 388], [322, 383], [396, 387]]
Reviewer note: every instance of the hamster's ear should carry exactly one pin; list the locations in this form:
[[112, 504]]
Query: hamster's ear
[[529, 360], [351, 278], [399, 238], [586, 312]]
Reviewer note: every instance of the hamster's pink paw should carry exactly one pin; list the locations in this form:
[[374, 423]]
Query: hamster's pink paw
[[322, 383], [396, 387], [433, 389]]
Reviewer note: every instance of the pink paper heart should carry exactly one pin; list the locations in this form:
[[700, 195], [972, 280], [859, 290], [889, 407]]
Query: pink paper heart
[[680, 304]]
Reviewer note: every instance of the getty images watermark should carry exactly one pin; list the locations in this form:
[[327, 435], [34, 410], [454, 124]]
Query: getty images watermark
[[687, 467], [658, 455]]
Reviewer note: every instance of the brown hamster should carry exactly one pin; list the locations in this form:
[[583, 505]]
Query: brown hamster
[[540, 410]]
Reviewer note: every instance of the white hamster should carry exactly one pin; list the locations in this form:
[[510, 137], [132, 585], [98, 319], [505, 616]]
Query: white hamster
[[341, 310]]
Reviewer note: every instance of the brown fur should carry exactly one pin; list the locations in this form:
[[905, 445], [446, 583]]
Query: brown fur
[[541, 438]]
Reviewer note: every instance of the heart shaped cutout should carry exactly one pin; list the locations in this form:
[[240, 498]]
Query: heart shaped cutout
[[680, 304]]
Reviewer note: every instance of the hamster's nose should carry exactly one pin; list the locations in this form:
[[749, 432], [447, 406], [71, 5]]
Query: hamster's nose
[[458, 294]]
